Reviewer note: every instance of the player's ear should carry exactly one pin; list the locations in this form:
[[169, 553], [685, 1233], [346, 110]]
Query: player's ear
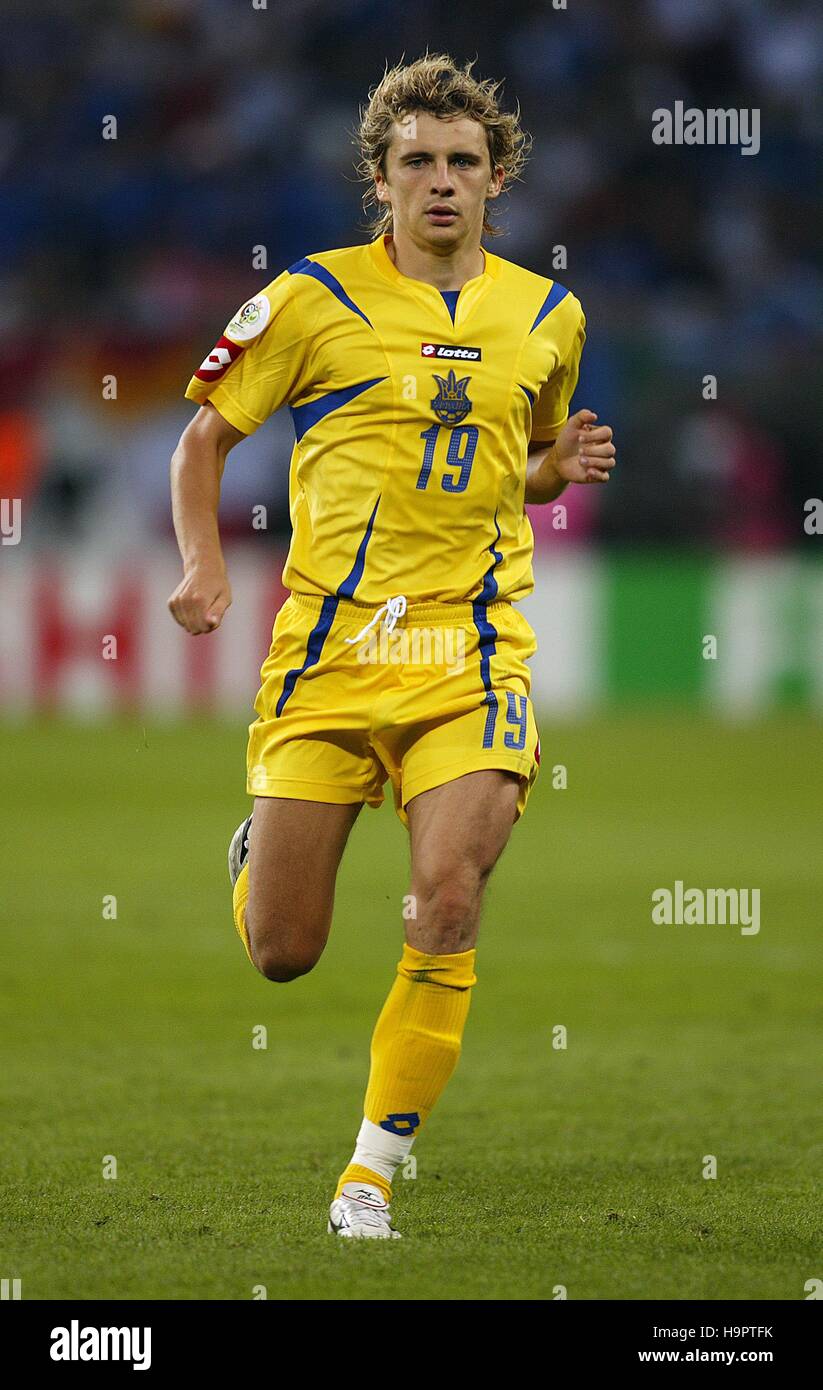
[[496, 181]]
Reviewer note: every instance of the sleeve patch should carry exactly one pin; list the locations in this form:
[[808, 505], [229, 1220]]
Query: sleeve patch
[[250, 321], [219, 360]]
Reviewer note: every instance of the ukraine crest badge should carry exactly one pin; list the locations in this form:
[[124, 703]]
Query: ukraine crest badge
[[451, 404]]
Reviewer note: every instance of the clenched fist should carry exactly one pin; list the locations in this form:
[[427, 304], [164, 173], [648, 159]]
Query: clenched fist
[[201, 598]]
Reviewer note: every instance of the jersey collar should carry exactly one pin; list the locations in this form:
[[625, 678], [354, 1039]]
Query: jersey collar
[[470, 295]]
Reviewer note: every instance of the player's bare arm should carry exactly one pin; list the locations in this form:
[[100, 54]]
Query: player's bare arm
[[203, 594], [582, 453]]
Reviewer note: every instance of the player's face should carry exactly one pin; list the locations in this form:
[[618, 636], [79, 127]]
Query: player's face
[[437, 178]]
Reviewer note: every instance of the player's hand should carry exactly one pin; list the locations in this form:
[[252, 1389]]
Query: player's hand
[[584, 452], [201, 598]]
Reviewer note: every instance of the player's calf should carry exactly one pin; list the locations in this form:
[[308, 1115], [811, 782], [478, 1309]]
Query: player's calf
[[447, 908]]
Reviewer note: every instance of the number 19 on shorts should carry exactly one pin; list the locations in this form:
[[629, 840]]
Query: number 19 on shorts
[[515, 727]]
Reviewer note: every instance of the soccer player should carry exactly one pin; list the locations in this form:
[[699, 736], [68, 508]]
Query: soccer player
[[429, 381]]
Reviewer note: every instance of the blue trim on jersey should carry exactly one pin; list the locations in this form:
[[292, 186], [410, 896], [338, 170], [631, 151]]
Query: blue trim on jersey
[[489, 590], [314, 647], [528, 393], [305, 416], [319, 272], [352, 580], [488, 636], [553, 298], [451, 297], [322, 627]]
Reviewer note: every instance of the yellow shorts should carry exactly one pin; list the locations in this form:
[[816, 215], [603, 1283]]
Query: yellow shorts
[[445, 693]]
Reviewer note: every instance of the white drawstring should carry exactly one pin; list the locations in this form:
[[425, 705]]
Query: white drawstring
[[394, 608]]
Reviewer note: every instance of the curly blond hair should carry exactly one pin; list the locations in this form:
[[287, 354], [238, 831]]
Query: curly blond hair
[[437, 84]]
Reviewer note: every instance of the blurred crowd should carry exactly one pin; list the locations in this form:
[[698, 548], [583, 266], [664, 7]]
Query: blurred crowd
[[124, 258]]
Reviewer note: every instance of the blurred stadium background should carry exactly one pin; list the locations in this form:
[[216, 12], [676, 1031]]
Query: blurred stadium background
[[125, 258]]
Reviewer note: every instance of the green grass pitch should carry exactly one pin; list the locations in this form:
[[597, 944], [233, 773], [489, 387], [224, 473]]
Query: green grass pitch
[[580, 1168]]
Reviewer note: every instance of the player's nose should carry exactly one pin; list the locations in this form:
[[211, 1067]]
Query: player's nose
[[442, 181]]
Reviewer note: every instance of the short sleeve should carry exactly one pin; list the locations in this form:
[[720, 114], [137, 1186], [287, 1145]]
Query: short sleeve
[[551, 409], [253, 367]]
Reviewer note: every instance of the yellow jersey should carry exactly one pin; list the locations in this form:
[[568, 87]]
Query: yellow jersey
[[413, 410]]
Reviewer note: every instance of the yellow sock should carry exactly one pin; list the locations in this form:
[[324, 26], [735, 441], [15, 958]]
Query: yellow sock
[[414, 1051], [240, 897]]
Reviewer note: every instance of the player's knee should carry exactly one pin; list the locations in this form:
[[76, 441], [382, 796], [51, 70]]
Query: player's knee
[[450, 905], [283, 946], [282, 964]]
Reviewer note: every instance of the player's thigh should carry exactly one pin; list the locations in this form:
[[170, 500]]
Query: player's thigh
[[458, 832], [471, 717], [295, 850]]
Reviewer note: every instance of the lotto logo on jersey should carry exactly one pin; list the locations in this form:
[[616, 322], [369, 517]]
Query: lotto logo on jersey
[[463, 354]]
